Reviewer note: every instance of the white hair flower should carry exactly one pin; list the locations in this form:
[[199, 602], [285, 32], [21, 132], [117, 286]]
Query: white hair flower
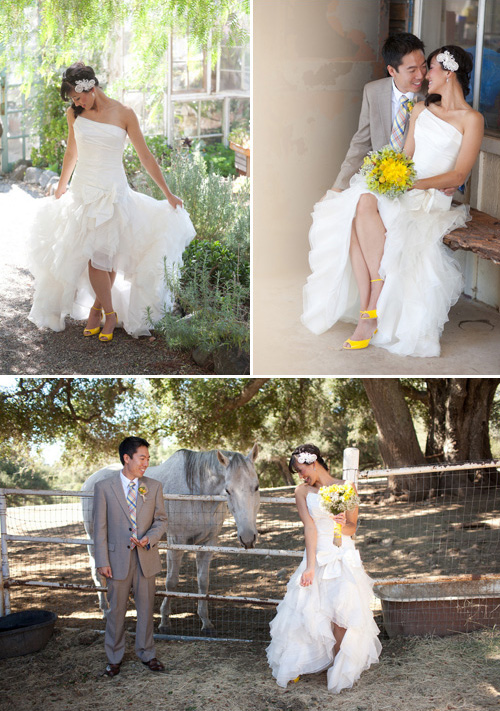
[[447, 60], [84, 85], [306, 458]]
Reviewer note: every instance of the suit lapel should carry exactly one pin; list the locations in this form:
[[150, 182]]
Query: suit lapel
[[117, 487], [385, 108]]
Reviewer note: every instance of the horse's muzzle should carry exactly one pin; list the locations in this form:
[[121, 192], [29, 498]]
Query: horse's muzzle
[[249, 543]]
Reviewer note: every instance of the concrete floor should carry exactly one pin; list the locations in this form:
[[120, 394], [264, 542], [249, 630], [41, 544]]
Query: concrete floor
[[470, 344]]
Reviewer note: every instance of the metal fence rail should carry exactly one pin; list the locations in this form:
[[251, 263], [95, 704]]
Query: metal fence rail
[[447, 536]]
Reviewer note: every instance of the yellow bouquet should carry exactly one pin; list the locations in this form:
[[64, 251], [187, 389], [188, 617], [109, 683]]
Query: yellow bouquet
[[388, 172], [337, 498]]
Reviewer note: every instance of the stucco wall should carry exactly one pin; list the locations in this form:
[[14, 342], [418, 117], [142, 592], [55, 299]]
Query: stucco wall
[[311, 59]]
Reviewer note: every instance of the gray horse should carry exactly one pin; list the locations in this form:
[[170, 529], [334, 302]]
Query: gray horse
[[194, 522]]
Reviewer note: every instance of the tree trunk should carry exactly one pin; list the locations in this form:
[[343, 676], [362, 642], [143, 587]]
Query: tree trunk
[[460, 410], [282, 464], [398, 441]]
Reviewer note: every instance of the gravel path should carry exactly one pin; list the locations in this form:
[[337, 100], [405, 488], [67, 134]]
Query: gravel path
[[25, 350]]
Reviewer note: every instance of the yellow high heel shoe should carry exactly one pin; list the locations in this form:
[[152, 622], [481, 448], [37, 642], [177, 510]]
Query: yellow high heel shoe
[[358, 345], [92, 331], [106, 337]]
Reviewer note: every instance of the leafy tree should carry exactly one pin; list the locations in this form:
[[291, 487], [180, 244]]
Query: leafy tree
[[55, 33], [412, 421], [88, 415]]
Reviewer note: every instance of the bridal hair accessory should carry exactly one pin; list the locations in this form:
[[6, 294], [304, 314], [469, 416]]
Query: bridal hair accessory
[[143, 489], [306, 458], [448, 61], [87, 84]]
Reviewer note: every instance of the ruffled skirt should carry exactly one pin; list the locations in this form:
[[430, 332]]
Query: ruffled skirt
[[422, 278], [302, 631], [116, 229]]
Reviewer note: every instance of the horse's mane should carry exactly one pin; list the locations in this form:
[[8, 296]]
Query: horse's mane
[[201, 465]]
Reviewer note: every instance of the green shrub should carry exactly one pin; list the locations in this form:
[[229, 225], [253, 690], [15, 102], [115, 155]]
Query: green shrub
[[159, 147], [219, 159], [219, 207], [51, 125], [221, 263], [217, 314]]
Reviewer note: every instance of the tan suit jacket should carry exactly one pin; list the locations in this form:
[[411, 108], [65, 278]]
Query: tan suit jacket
[[374, 129], [113, 528]]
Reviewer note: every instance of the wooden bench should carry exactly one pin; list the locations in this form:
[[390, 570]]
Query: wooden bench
[[481, 235]]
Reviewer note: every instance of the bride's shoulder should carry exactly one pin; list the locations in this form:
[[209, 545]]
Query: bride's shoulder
[[473, 118]]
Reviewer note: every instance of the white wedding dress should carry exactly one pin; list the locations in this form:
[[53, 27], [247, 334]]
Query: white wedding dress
[[341, 592], [100, 218], [422, 278]]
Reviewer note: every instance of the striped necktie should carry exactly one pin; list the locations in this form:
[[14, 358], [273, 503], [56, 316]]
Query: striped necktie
[[398, 127], [132, 507]]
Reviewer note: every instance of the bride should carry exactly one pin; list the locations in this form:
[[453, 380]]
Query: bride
[[99, 249], [380, 262], [324, 620]]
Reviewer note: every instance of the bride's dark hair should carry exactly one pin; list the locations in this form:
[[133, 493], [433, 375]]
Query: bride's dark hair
[[311, 449], [464, 61], [73, 74]]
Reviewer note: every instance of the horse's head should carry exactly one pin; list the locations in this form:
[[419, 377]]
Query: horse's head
[[242, 489]]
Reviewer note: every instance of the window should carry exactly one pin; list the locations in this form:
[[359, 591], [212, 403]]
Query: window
[[474, 25]]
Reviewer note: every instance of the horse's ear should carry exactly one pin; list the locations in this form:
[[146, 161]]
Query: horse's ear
[[222, 458], [254, 452]]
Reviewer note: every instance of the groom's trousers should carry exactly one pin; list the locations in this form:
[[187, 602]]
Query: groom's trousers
[[118, 595]]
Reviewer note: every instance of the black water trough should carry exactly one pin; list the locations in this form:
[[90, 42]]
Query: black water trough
[[25, 632]]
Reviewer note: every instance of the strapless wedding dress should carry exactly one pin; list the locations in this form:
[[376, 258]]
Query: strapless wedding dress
[[341, 592], [101, 219], [422, 278]]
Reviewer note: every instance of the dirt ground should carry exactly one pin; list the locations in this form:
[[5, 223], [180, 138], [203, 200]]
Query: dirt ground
[[414, 674], [395, 539], [26, 350]]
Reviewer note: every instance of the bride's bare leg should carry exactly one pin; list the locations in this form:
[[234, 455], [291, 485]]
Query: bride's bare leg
[[366, 251], [371, 235], [338, 633], [102, 282]]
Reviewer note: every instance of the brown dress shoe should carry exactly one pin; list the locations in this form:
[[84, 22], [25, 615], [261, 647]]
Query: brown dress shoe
[[112, 670], [155, 665]]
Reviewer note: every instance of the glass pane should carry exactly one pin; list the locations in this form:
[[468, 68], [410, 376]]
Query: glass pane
[[15, 149], [230, 80], [135, 99], [211, 117], [179, 76], [185, 119], [489, 102], [14, 127], [195, 71], [231, 58], [239, 113]]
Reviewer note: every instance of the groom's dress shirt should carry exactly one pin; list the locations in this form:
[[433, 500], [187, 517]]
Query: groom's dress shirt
[[125, 484], [375, 126]]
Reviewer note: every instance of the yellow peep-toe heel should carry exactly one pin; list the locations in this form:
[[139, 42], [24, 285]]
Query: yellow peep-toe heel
[[92, 331], [366, 314], [107, 337]]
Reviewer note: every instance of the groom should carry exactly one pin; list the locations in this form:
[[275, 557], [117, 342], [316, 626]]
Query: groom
[[384, 111], [129, 520]]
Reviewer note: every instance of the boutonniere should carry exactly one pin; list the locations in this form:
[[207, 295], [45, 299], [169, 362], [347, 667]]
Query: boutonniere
[[142, 490], [410, 105]]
